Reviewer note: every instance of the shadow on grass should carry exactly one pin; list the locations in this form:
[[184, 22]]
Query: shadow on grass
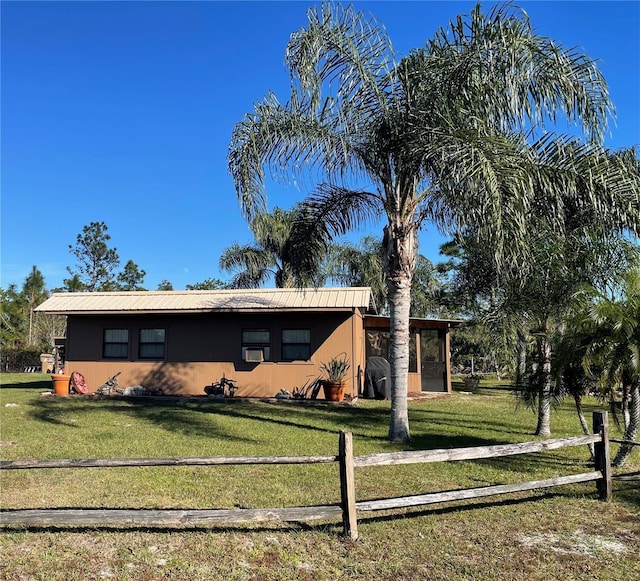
[[436, 441], [316, 417], [249, 421], [43, 384], [170, 415], [531, 465], [199, 417], [468, 421], [628, 492], [219, 418]]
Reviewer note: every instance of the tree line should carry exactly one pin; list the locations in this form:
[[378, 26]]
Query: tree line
[[97, 268]]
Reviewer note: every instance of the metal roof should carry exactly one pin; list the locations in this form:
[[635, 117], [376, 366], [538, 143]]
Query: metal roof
[[123, 302]]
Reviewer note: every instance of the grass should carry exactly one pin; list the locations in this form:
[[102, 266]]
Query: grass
[[563, 533]]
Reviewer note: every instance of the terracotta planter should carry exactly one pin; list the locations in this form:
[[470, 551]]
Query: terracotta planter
[[60, 383], [333, 390]]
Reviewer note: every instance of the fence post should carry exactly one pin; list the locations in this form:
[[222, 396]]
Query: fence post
[[602, 453], [347, 485]]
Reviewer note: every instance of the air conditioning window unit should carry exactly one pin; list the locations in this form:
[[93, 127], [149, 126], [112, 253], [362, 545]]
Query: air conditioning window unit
[[253, 355]]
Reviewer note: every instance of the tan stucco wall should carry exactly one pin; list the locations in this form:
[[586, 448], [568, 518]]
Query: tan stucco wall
[[200, 348]]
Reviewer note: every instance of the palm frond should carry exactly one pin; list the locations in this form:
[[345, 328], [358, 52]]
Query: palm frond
[[329, 212], [254, 264], [496, 66], [343, 49], [250, 279], [340, 209], [288, 142], [343, 53], [244, 256], [484, 184]]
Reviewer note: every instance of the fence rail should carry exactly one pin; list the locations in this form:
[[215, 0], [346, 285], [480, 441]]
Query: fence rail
[[627, 442], [473, 453], [348, 507], [469, 493], [127, 462], [628, 477], [165, 517]]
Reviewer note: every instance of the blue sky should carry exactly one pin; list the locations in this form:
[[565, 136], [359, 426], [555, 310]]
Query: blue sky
[[122, 112]]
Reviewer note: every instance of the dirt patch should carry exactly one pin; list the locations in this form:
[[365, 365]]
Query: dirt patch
[[575, 543], [422, 395]]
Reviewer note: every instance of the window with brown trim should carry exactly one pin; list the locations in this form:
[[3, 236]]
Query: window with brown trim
[[151, 344], [255, 341], [115, 344], [296, 344]]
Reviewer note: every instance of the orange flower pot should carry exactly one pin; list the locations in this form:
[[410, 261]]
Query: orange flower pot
[[60, 383], [333, 390]]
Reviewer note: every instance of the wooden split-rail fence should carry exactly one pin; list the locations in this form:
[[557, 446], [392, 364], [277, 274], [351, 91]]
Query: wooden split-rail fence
[[348, 508]]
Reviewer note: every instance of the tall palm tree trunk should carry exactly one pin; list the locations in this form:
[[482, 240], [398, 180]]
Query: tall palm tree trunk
[[521, 369], [631, 429], [401, 252], [544, 397], [626, 406], [399, 303]]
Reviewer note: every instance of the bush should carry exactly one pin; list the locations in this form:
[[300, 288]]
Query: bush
[[15, 360]]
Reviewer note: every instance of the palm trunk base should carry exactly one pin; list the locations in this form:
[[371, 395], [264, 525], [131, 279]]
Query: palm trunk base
[[399, 434], [631, 431]]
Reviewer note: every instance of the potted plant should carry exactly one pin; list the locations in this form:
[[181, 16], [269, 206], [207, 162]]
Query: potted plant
[[335, 372], [60, 383], [471, 382]]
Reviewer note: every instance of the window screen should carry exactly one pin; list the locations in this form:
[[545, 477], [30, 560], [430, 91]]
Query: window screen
[[296, 344], [116, 344], [152, 342]]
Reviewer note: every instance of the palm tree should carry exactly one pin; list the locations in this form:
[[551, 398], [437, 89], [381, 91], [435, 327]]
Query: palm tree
[[568, 370], [438, 135], [613, 353], [360, 265], [534, 299], [272, 255]]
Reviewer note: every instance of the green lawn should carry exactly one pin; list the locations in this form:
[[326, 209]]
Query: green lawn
[[561, 533]]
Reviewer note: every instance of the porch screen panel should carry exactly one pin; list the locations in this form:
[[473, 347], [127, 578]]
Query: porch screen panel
[[378, 344], [432, 345], [433, 360]]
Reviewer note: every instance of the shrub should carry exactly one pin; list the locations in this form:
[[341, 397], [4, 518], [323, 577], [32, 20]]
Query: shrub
[[15, 360]]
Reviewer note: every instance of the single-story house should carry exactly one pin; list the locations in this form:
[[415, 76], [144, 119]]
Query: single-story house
[[265, 339]]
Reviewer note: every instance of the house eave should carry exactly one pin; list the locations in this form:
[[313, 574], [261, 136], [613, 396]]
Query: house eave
[[197, 311], [383, 321]]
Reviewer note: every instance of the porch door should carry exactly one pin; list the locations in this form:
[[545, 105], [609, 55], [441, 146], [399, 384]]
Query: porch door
[[432, 363]]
